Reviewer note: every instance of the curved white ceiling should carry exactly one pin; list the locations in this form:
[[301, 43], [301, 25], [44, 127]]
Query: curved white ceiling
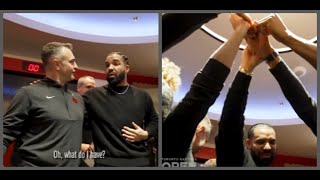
[[108, 28]]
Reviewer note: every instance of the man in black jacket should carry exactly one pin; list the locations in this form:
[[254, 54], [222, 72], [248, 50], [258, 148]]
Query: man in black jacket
[[46, 119]]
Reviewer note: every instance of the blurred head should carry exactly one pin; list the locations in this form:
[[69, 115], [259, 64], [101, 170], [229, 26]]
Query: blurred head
[[170, 83], [167, 100], [85, 83], [58, 58], [262, 144], [117, 68], [201, 135], [210, 163], [171, 74]]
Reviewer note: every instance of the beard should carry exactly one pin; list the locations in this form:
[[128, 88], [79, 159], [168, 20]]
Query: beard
[[265, 162], [117, 79]]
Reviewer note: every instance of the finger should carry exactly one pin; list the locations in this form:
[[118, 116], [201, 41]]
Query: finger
[[129, 129], [265, 19], [245, 17], [135, 125], [127, 136], [128, 132], [90, 148], [131, 140]]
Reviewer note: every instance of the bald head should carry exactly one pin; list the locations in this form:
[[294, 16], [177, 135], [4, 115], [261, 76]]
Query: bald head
[[85, 83]]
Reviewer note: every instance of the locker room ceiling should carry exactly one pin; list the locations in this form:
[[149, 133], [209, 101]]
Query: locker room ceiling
[[266, 101], [93, 35]]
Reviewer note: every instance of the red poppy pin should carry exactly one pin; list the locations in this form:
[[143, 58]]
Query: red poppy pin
[[75, 100]]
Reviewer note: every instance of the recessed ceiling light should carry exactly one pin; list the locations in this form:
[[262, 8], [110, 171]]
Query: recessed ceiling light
[[300, 71], [135, 18]]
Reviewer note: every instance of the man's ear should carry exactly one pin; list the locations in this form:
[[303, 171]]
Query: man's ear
[[248, 143], [55, 63], [127, 68]]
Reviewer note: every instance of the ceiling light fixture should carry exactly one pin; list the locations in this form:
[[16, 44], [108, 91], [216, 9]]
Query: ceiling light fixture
[[135, 18], [300, 71]]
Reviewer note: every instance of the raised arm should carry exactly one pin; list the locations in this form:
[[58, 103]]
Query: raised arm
[[230, 147], [180, 125], [274, 25], [294, 91]]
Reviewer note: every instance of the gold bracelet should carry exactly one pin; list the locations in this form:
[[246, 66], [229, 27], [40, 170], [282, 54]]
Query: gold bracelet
[[242, 70]]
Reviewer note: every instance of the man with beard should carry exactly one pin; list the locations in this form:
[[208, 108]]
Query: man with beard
[[261, 142], [122, 117]]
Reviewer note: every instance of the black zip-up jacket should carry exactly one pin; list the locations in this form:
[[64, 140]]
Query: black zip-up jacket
[[45, 119]]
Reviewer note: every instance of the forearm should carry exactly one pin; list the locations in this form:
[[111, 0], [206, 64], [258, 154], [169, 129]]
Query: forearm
[[231, 124], [296, 94], [302, 47], [180, 125], [228, 51]]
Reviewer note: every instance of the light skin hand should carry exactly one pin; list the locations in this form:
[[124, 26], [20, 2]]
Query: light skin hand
[[246, 17], [259, 43], [258, 48], [134, 134], [240, 22], [227, 52], [249, 60], [87, 147]]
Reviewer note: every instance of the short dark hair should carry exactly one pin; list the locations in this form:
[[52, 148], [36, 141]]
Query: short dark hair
[[52, 49], [124, 57], [253, 127]]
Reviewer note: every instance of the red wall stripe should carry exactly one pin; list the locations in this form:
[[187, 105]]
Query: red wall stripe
[[15, 64]]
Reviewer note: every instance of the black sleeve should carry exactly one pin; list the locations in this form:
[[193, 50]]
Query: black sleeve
[[14, 118], [230, 147], [296, 94], [87, 129], [177, 26], [87, 126], [151, 118], [181, 123]]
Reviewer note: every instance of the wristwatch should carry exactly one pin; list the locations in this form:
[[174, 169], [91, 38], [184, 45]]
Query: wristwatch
[[242, 70], [271, 56]]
